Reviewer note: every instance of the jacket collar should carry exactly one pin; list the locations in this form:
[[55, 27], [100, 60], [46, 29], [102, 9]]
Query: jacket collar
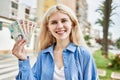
[[71, 47]]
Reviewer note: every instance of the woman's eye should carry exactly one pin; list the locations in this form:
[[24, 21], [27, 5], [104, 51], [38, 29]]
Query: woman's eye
[[53, 22], [64, 20]]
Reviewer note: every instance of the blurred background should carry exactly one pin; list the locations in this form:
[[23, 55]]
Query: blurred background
[[99, 22]]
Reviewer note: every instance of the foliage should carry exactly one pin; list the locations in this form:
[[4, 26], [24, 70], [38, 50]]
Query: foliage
[[118, 43], [100, 60], [101, 10], [99, 40], [87, 39], [116, 62], [102, 63]]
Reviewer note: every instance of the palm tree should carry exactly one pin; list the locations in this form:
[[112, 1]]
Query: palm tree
[[105, 21]]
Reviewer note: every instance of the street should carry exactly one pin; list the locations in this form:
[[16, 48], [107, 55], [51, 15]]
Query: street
[[9, 66], [115, 51]]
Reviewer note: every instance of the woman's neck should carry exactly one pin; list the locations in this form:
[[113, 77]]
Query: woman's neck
[[61, 45]]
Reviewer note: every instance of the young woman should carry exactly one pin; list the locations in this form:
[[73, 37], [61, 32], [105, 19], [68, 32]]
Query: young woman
[[62, 52]]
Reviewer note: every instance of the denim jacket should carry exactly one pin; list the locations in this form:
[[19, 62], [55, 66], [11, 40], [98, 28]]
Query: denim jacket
[[78, 65]]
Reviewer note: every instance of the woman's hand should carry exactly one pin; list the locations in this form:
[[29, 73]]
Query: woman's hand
[[27, 27], [19, 50]]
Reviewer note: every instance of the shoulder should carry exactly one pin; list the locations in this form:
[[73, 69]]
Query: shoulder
[[84, 52], [84, 55], [47, 50]]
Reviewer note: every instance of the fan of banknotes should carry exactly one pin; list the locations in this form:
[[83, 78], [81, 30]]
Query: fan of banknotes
[[22, 29]]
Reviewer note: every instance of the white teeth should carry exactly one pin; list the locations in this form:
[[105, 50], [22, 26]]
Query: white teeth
[[60, 31]]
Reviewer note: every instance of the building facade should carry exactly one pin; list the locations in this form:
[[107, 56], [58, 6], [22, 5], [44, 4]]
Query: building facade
[[10, 10], [23, 11]]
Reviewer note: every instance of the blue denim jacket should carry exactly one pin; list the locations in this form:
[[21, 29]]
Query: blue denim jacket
[[78, 65]]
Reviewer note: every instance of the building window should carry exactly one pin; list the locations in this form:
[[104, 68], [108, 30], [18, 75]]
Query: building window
[[13, 13], [14, 5], [27, 11], [0, 25]]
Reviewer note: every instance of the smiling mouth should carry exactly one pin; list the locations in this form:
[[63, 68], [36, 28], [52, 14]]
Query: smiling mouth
[[61, 31]]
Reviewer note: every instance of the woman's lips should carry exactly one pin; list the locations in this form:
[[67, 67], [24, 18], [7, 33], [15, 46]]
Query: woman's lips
[[61, 32]]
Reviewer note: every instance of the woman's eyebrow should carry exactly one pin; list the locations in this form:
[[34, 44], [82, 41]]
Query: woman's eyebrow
[[52, 20], [56, 20]]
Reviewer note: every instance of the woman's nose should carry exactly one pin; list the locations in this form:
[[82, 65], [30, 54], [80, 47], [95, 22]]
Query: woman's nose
[[59, 25]]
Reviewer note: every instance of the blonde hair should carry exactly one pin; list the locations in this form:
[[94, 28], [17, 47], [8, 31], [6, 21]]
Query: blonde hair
[[46, 39]]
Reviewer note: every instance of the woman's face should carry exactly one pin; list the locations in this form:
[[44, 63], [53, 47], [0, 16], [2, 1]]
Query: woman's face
[[60, 25]]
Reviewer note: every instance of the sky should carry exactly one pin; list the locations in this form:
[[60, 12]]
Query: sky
[[93, 15]]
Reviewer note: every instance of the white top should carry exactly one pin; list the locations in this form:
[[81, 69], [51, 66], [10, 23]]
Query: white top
[[59, 73]]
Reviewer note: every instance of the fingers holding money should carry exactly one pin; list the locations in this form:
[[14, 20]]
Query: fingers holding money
[[18, 49], [21, 31]]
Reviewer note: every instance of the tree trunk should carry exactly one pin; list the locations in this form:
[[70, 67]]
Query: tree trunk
[[107, 12]]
